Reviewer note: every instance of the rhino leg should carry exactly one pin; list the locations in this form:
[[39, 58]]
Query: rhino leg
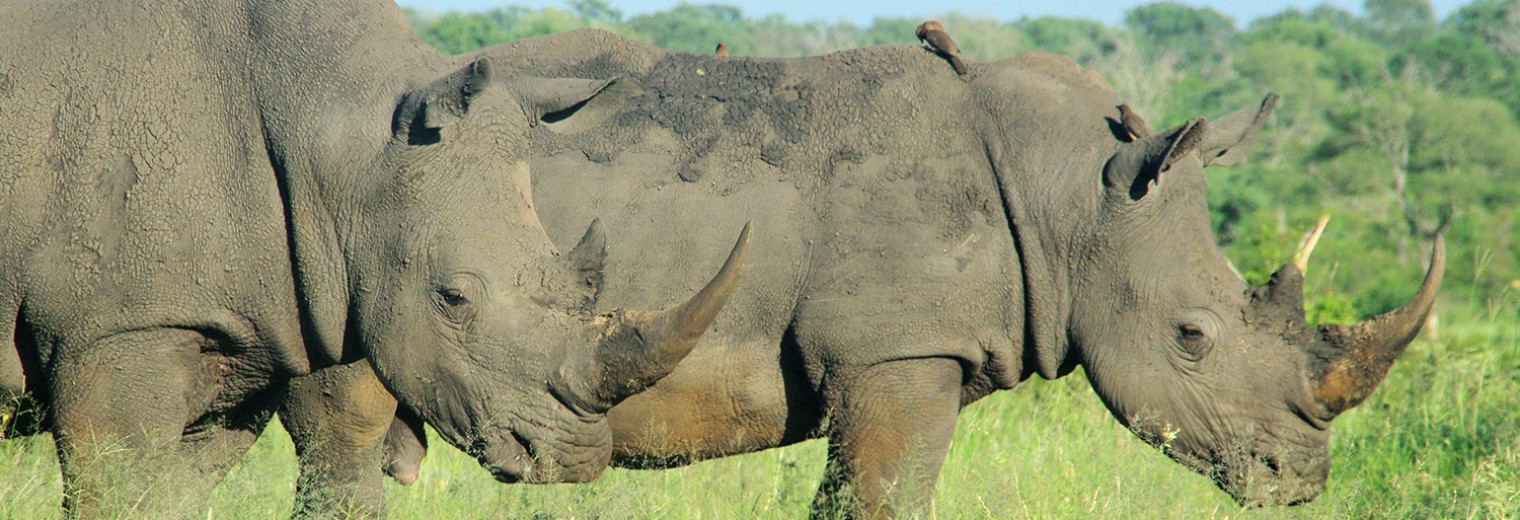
[[119, 408], [337, 418], [889, 428], [216, 444], [12, 385], [722, 400]]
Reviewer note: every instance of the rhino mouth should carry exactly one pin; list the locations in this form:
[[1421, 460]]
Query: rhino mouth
[[509, 459], [1265, 473], [527, 452], [1270, 494], [1258, 480]]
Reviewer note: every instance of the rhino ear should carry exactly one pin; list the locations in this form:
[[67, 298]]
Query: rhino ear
[[1139, 164], [1230, 137], [442, 103], [550, 100]]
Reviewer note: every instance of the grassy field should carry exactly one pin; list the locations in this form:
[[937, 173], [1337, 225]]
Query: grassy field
[[1440, 439]]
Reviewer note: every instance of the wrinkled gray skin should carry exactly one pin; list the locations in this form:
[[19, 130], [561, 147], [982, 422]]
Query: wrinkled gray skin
[[926, 241], [200, 202]]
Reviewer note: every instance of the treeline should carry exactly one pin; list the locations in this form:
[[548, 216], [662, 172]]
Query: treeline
[[1388, 118]]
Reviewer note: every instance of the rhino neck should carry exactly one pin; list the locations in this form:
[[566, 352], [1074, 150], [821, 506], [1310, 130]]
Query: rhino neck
[[1043, 260], [327, 76], [1046, 135]]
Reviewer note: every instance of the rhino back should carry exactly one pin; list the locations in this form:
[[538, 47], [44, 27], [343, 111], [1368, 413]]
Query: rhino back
[[134, 185]]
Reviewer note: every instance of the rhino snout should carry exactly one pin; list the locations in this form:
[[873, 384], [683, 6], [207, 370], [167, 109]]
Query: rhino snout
[[507, 458], [1271, 481]]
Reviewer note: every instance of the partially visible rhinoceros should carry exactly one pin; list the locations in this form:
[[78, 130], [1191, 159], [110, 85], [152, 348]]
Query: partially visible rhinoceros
[[202, 199], [928, 239]]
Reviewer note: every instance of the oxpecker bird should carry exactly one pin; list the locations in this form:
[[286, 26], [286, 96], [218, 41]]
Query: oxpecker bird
[[1134, 126], [722, 50], [932, 33]]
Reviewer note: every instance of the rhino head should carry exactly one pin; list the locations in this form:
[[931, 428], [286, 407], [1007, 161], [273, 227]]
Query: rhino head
[[464, 308], [1227, 379]]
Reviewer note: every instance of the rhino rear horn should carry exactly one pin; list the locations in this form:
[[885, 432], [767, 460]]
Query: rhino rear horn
[[1285, 290], [636, 348], [589, 258], [1366, 351]]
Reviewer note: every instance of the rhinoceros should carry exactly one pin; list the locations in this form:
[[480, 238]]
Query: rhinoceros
[[203, 200], [928, 239]]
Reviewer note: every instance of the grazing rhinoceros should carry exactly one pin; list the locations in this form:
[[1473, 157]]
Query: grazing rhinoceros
[[929, 239], [203, 199]]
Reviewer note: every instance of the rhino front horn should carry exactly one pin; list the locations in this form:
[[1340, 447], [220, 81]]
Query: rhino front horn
[[634, 349], [1367, 349]]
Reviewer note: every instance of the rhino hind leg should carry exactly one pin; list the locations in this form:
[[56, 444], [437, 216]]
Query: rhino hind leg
[[889, 427], [338, 418]]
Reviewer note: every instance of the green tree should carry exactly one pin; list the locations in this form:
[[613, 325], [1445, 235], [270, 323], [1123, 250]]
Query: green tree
[[1496, 21], [1352, 60], [1460, 62], [596, 11], [1399, 12], [456, 32], [1399, 22], [1082, 40], [889, 31], [695, 28], [1197, 35]]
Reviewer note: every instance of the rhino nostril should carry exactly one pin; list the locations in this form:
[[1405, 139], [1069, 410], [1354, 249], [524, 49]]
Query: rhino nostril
[[503, 475], [526, 454], [1273, 465], [507, 459]]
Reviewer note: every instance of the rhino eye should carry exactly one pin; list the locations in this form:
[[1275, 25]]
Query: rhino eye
[[452, 297], [1194, 341], [454, 304]]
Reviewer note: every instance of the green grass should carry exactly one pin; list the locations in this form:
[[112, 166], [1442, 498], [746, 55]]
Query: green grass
[[1439, 439]]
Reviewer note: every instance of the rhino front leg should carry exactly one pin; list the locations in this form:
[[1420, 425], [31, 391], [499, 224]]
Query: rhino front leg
[[889, 428], [120, 407], [337, 418]]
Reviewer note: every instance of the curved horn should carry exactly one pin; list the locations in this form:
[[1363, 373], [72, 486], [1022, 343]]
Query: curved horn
[[634, 349], [589, 260], [1367, 349]]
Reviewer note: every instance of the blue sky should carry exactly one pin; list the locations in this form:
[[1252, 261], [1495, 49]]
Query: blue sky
[[862, 12]]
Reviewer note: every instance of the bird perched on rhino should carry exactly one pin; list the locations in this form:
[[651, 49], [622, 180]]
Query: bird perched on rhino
[[934, 34], [1134, 125], [722, 50]]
